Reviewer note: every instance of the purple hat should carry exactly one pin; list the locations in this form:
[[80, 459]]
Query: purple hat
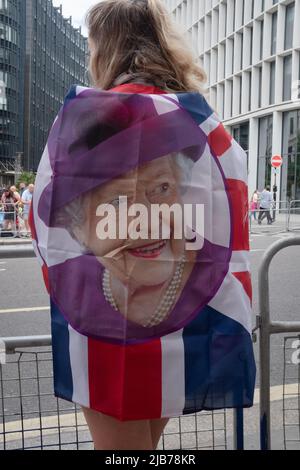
[[100, 135]]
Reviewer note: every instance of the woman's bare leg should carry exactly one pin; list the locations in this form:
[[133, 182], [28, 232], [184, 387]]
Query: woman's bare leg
[[157, 428], [111, 434]]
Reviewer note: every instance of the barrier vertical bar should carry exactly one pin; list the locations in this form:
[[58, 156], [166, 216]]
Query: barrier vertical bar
[[266, 329], [238, 428]]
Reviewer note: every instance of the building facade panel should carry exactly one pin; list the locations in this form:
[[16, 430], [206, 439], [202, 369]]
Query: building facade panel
[[12, 22], [56, 55], [250, 50], [41, 56]]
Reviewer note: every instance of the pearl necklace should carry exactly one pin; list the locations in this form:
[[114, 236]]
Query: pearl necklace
[[166, 302]]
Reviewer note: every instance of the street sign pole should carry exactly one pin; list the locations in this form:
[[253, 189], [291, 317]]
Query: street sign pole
[[275, 195], [276, 162]]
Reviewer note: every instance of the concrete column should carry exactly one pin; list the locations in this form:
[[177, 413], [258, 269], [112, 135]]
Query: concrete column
[[228, 99], [281, 28], [279, 80], [296, 24], [253, 152], [265, 92], [277, 147], [236, 96], [245, 92]]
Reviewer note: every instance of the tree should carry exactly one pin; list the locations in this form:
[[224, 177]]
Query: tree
[[27, 178]]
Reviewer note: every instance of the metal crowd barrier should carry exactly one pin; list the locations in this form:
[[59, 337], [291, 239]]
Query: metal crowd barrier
[[279, 214], [285, 218], [267, 328], [291, 393], [294, 216], [32, 418], [16, 225], [12, 231]]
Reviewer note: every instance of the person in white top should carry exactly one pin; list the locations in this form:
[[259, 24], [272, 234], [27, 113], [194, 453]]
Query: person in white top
[[253, 206], [26, 200], [266, 202]]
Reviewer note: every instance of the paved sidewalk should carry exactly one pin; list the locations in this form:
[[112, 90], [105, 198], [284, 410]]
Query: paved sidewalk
[[15, 241]]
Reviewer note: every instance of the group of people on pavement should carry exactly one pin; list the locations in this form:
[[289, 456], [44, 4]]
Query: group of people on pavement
[[14, 210], [262, 203]]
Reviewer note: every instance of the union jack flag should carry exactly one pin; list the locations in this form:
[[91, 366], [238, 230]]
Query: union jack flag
[[201, 356]]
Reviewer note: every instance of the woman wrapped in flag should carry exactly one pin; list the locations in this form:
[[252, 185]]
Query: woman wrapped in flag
[[140, 222]]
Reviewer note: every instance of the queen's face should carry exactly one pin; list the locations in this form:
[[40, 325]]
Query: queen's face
[[144, 262]]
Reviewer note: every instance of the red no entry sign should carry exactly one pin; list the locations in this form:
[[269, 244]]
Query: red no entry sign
[[276, 161]]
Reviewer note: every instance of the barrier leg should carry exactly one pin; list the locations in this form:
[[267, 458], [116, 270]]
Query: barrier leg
[[239, 429]]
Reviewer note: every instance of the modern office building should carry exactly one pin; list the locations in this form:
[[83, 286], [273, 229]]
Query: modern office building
[[41, 56], [250, 50], [12, 60]]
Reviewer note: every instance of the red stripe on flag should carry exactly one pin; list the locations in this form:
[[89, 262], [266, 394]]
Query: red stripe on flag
[[46, 277], [238, 195], [138, 88], [245, 280], [126, 381], [31, 223], [219, 140]]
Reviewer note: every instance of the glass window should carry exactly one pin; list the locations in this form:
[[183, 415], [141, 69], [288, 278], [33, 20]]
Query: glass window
[[290, 176], [261, 40], [289, 26], [265, 143], [287, 78], [274, 33], [272, 82], [259, 86], [241, 135]]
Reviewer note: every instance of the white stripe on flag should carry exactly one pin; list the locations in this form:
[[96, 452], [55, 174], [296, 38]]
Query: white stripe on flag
[[37, 253], [227, 304], [79, 366], [55, 244], [173, 374], [210, 124], [171, 97], [239, 262], [234, 162], [163, 105], [80, 89]]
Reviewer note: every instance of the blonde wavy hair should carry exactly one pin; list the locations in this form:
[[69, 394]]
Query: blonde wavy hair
[[139, 38]]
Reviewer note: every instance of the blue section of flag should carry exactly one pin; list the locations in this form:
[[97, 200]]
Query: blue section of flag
[[72, 93], [63, 381], [219, 364], [196, 105]]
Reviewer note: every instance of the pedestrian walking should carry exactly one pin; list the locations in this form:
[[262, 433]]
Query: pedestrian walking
[[266, 203], [149, 321], [26, 202], [253, 206]]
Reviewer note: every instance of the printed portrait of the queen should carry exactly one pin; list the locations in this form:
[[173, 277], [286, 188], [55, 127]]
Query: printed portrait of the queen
[[143, 276], [116, 271]]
